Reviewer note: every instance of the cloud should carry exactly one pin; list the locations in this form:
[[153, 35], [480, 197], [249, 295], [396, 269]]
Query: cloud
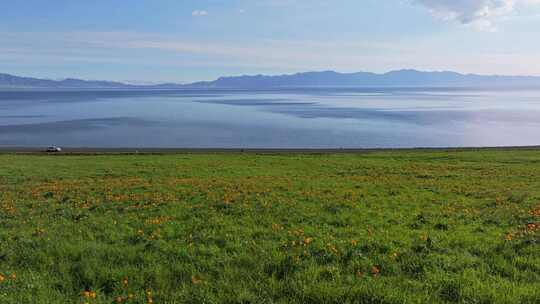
[[479, 13], [199, 13]]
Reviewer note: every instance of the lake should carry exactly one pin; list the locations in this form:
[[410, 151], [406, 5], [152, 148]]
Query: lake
[[284, 118]]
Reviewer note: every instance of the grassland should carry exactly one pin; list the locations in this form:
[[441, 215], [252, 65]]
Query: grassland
[[382, 227]]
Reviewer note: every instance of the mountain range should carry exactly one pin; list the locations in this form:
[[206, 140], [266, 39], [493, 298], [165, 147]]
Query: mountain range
[[11, 81], [400, 78]]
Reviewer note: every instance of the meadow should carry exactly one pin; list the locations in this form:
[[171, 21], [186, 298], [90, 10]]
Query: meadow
[[377, 227]]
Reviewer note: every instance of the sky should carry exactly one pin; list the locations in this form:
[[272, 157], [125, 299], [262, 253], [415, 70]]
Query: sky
[[150, 41]]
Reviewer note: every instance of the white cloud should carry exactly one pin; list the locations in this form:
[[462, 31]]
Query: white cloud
[[480, 13], [199, 13]]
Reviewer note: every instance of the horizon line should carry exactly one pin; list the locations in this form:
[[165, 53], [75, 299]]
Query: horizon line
[[150, 83]]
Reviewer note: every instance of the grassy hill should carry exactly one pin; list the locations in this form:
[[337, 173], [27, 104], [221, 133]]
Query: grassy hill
[[382, 227]]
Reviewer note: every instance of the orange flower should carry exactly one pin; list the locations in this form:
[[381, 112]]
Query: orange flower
[[2, 278], [354, 242], [375, 270], [13, 276], [89, 294], [332, 248], [276, 227], [532, 226], [195, 280]]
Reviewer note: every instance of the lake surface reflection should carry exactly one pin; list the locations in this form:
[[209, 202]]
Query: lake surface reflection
[[288, 118]]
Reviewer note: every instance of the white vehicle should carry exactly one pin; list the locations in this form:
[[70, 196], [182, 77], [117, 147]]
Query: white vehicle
[[53, 149]]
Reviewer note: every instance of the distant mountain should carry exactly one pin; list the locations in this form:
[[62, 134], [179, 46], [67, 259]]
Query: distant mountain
[[10, 81], [401, 78]]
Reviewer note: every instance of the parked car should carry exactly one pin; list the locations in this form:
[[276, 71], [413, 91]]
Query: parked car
[[53, 149]]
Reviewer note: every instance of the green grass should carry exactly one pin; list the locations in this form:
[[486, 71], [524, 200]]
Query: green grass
[[383, 227]]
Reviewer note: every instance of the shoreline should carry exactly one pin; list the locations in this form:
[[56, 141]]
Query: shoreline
[[128, 150]]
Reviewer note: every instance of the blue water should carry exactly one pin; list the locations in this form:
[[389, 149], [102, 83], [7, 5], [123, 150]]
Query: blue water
[[291, 118]]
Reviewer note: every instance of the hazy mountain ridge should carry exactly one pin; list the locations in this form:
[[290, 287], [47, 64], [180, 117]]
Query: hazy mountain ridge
[[11, 81], [306, 79], [367, 79]]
